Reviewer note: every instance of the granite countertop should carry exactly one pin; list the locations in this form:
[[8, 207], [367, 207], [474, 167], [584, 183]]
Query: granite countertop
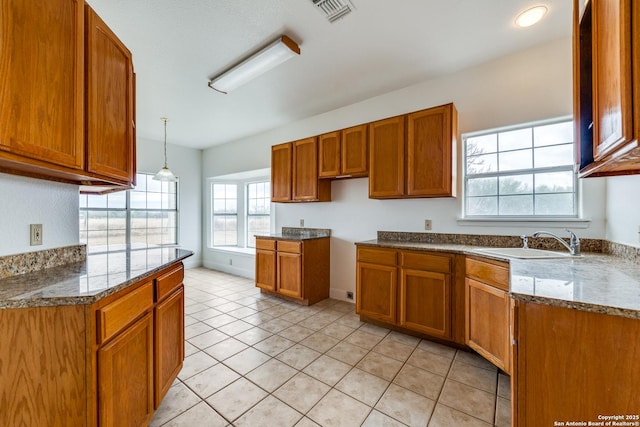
[[593, 282], [295, 233], [87, 281]]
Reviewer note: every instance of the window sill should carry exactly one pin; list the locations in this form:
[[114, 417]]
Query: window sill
[[234, 250], [523, 222]]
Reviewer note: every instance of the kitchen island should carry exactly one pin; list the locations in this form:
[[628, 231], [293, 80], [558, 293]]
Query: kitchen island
[[96, 342]]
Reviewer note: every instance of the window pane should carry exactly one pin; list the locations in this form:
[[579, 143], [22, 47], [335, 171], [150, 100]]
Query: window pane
[[516, 184], [514, 139], [516, 205], [138, 200], [154, 201], [96, 201], [558, 133], [482, 164], [257, 225], [482, 144], [153, 186], [141, 182], [557, 155], [554, 204], [482, 186], [117, 200], [555, 182], [482, 206], [118, 220], [515, 160]]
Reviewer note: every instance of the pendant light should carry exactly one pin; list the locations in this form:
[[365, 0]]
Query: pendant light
[[165, 174]]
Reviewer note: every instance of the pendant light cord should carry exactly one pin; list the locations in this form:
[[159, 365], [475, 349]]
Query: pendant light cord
[[165, 120]]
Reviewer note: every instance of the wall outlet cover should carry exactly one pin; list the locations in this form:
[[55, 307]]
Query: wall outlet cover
[[35, 234]]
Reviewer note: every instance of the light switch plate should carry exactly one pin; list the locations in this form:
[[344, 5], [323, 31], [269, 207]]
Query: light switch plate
[[35, 233]]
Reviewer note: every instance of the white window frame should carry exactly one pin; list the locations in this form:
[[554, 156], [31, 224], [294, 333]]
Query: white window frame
[[213, 214], [241, 180], [128, 219], [561, 220]]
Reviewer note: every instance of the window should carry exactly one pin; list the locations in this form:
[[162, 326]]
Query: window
[[525, 171], [143, 217], [225, 214], [258, 210], [240, 208]]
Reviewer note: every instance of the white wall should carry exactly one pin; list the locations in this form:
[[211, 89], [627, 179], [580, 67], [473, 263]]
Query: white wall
[[185, 163], [531, 85], [623, 210], [25, 201]]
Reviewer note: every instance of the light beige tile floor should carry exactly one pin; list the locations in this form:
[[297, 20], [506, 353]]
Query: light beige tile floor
[[255, 360]]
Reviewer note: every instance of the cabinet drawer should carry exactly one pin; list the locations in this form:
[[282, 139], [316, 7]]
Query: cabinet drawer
[[115, 316], [495, 274], [268, 244], [423, 261], [378, 256], [292, 247], [166, 283]]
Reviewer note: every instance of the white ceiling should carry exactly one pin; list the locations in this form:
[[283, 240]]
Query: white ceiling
[[382, 46]]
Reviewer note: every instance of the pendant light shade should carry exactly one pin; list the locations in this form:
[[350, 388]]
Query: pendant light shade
[[165, 174]]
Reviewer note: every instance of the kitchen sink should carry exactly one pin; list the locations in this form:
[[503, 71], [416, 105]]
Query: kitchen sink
[[525, 253]]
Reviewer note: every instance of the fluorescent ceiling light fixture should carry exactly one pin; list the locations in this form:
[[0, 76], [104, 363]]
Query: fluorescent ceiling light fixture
[[531, 16], [274, 54]]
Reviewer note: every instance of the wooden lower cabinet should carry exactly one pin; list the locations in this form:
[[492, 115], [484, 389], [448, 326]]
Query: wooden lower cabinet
[[488, 326], [294, 269], [169, 343], [574, 365], [104, 364], [408, 289], [125, 377]]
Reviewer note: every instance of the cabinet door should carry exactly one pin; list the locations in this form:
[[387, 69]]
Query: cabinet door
[[169, 343], [41, 101], [430, 152], [612, 67], [329, 155], [487, 327], [354, 151], [110, 97], [376, 291], [425, 302], [281, 172], [289, 274], [266, 269], [386, 158], [305, 169], [125, 377]]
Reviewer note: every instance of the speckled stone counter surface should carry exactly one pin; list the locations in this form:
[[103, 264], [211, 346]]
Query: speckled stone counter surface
[[295, 233], [87, 281], [598, 282]]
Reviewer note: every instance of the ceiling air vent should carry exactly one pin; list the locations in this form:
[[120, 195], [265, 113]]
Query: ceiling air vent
[[334, 9]]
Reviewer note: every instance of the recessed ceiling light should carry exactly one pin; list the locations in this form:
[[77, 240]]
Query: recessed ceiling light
[[531, 16]]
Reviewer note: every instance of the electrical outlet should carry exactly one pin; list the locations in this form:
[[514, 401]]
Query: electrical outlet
[[349, 295], [35, 234], [302, 223], [230, 261], [427, 224]]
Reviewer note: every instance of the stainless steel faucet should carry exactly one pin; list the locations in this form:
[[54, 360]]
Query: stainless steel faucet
[[574, 241]]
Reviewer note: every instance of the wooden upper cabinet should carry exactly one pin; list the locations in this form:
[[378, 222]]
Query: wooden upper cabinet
[[305, 170], [41, 101], [612, 101], [329, 155], [281, 172], [355, 154], [431, 148], [343, 154], [110, 97], [386, 158], [606, 94]]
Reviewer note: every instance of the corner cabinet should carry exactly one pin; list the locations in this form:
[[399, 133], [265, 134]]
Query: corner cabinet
[[606, 93], [415, 291], [414, 155], [297, 270], [294, 173], [67, 104], [107, 363]]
